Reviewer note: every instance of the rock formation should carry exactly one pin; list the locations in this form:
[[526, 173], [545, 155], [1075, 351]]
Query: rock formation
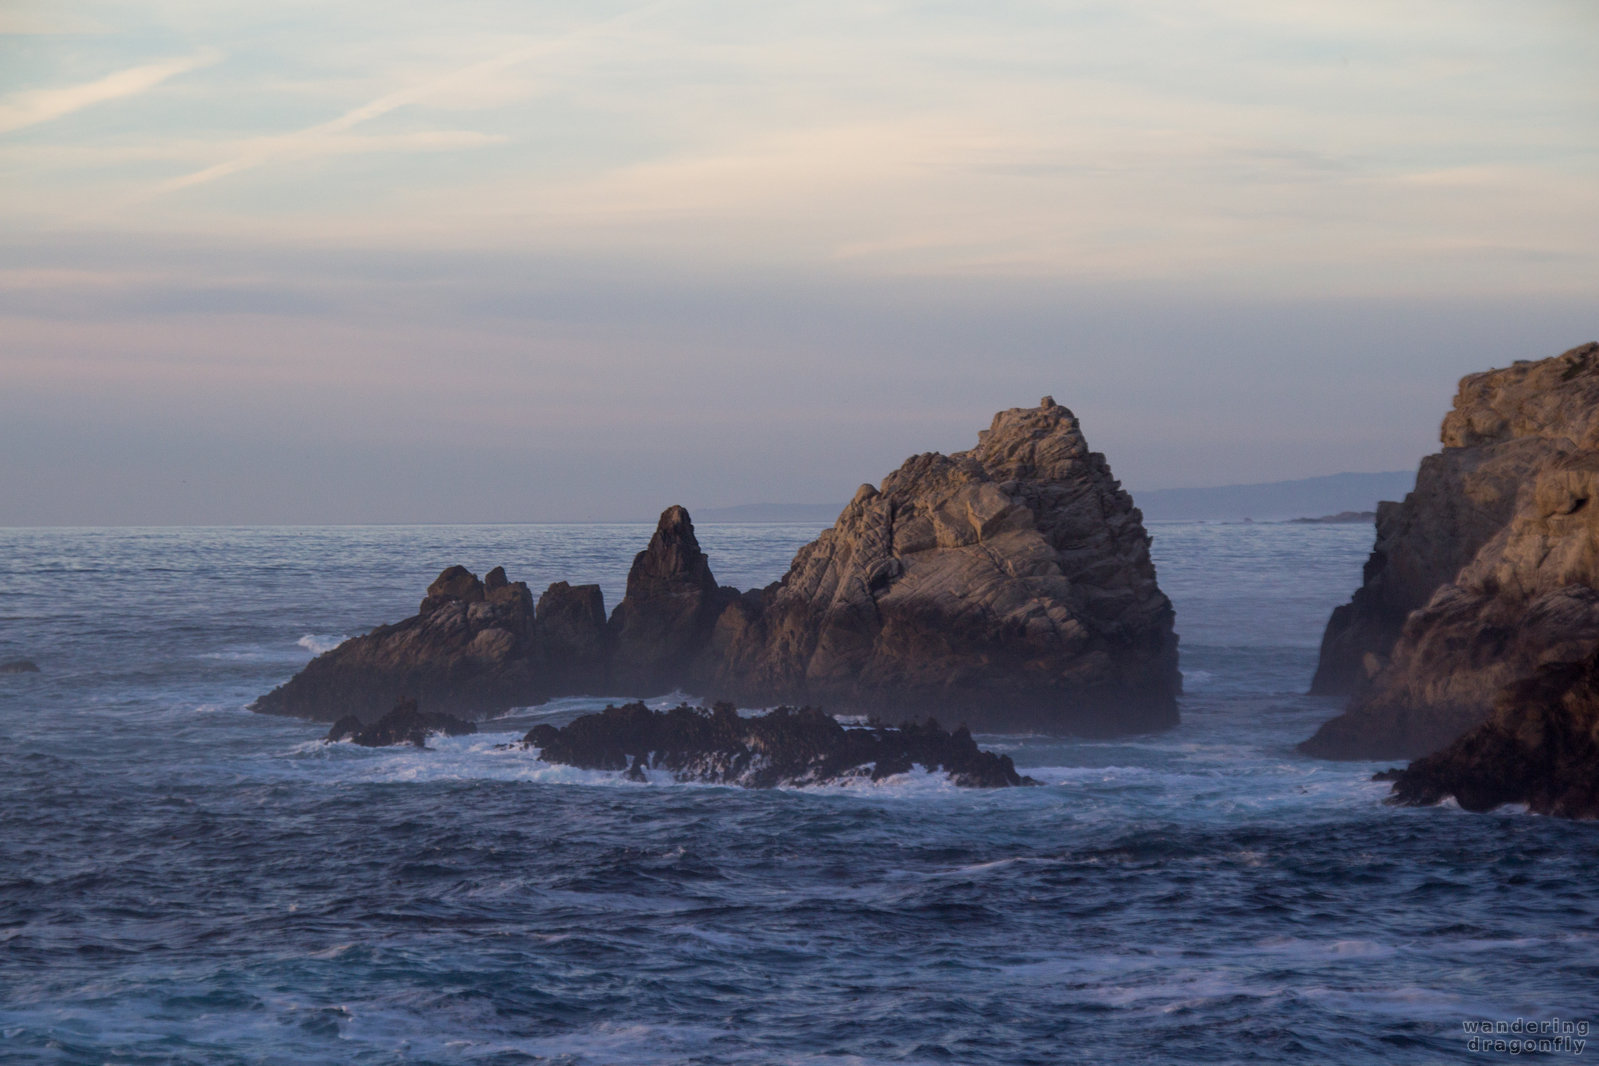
[[1487, 570], [402, 725], [19, 666], [1009, 587], [781, 747], [1540, 747]]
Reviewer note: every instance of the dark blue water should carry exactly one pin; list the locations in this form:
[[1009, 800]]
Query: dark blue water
[[181, 881]]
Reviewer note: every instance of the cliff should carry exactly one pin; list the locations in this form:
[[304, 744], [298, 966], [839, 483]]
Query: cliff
[[1009, 587], [1486, 570]]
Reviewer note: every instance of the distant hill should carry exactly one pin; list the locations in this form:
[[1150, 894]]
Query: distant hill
[[1271, 501], [1277, 500]]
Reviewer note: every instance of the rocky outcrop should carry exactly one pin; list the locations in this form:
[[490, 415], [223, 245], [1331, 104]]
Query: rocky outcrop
[[1540, 747], [1486, 571], [405, 724], [781, 747], [1009, 587], [470, 650], [19, 666]]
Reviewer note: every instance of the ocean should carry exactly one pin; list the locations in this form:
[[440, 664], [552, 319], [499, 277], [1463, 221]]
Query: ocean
[[182, 881]]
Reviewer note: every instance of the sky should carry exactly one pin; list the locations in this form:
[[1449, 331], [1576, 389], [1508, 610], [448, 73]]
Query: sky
[[547, 261]]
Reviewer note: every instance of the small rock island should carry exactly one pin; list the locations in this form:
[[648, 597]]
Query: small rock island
[[1008, 587]]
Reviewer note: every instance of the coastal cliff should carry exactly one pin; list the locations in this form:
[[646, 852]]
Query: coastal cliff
[[1486, 571], [1009, 587]]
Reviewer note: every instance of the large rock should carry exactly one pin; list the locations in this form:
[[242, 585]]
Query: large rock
[[1009, 586], [471, 650], [1540, 747], [1486, 571], [782, 747]]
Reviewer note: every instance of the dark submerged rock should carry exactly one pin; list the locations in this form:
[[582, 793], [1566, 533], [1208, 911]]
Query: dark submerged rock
[[405, 724], [1540, 747], [782, 747], [19, 666]]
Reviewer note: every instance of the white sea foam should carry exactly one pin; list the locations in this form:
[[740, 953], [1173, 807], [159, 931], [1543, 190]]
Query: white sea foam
[[499, 756], [317, 643]]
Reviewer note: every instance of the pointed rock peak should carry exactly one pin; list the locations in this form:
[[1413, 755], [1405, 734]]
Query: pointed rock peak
[[675, 523], [674, 553], [495, 579], [1031, 442]]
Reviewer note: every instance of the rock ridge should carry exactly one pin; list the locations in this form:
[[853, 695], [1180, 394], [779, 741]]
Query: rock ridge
[[1009, 586]]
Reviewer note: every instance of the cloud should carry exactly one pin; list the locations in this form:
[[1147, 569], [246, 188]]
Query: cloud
[[33, 106], [324, 138]]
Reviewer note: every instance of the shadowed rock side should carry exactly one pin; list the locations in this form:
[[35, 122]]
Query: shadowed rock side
[[1487, 570], [472, 649], [1540, 747], [402, 725], [1009, 586], [781, 747], [663, 624]]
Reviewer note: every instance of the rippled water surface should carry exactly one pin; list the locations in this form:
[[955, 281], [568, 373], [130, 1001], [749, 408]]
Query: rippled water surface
[[182, 881]]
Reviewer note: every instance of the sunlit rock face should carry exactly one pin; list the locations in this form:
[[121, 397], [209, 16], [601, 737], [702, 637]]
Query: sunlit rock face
[[1009, 586], [1486, 571]]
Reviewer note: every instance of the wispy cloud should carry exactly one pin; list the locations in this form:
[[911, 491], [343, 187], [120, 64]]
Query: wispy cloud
[[33, 106], [324, 138]]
